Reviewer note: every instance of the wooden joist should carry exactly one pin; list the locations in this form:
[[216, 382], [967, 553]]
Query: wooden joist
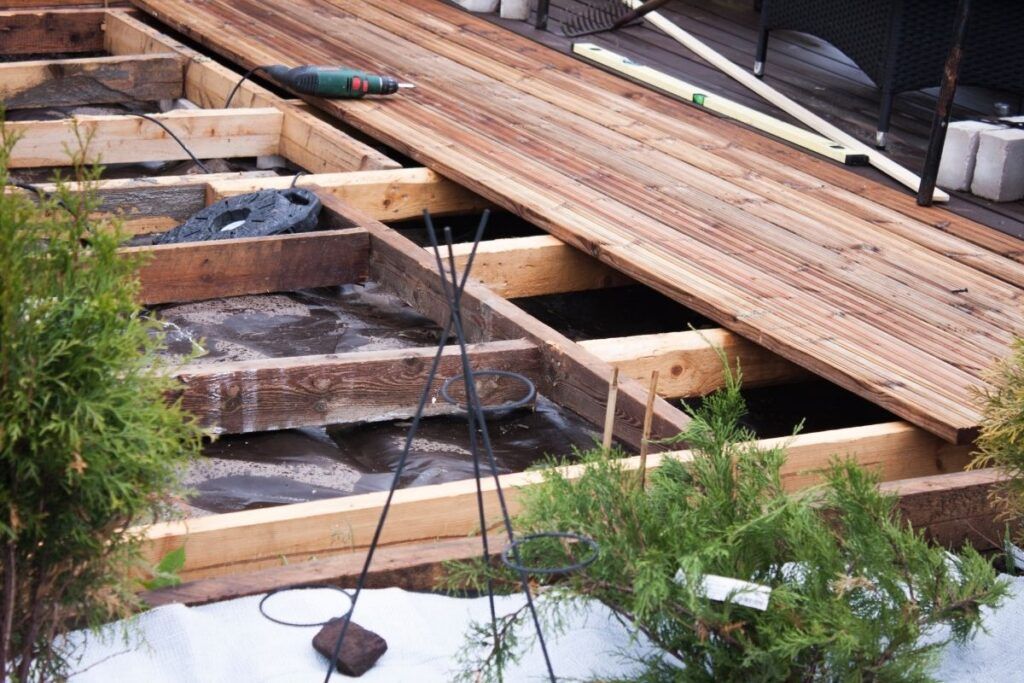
[[950, 509], [572, 377], [533, 266], [209, 133], [308, 141], [367, 386], [953, 509], [257, 265], [155, 204], [688, 363], [254, 539], [90, 80], [25, 32], [386, 195]]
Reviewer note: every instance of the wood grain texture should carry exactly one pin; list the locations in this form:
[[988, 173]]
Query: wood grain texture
[[718, 218], [255, 539], [29, 31], [689, 364], [368, 386], [90, 80], [112, 139], [534, 266], [951, 509], [257, 265], [386, 195]]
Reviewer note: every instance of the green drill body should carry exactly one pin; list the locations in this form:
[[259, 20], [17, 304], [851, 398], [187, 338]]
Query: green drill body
[[332, 82]]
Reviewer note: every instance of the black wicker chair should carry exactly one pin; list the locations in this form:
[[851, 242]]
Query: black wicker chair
[[902, 44]]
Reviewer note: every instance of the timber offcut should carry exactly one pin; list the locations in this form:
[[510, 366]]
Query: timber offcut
[[833, 272]]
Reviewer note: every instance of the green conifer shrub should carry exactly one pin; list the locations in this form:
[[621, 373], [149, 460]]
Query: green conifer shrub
[[1001, 439], [854, 588], [88, 444]]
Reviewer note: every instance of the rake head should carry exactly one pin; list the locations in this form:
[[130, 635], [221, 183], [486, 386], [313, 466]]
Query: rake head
[[598, 18]]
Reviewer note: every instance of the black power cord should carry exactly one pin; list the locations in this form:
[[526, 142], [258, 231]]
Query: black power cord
[[153, 119], [246, 76]]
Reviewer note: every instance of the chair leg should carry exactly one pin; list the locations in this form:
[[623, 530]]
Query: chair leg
[[541, 21], [761, 53], [884, 116]]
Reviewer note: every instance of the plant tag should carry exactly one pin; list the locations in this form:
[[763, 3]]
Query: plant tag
[[725, 589], [1016, 555]]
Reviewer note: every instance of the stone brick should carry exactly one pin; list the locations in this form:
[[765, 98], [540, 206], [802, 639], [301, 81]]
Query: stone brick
[[999, 169], [956, 170]]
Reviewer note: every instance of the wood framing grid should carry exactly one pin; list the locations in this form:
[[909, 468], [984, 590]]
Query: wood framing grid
[[251, 540], [145, 65]]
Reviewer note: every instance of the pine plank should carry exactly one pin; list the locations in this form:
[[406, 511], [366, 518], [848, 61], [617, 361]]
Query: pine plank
[[866, 293]]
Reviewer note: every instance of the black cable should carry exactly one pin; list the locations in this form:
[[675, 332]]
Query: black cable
[[246, 76], [153, 119]]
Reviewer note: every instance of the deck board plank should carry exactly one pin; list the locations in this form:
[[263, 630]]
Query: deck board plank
[[776, 246]]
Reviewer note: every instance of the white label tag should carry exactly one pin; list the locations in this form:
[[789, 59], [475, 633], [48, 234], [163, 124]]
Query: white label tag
[[725, 589], [1016, 554]]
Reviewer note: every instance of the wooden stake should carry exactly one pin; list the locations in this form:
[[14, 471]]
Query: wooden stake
[[609, 415], [645, 438], [791, 107]]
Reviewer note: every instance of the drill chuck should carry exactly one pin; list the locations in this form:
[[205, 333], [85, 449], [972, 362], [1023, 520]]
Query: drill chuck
[[332, 82]]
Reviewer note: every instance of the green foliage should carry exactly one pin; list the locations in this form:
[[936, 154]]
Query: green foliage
[[853, 587], [1001, 441], [165, 573], [88, 444]]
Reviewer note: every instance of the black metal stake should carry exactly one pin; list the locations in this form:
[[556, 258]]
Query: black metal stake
[[944, 107]]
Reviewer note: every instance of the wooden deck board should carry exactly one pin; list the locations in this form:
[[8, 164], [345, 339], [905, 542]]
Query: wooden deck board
[[869, 294]]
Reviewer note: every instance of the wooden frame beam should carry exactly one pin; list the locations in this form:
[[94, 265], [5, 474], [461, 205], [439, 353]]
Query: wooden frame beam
[[312, 143], [367, 386], [209, 133], [155, 204], [25, 32], [537, 265], [255, 539], [951, 509], [90, 80], [688, 363], [386, 195], [572, 377], [196, 271]]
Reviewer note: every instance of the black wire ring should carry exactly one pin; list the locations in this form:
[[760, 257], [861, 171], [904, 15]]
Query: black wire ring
[[523, 379], [566, 569], [299, 588]]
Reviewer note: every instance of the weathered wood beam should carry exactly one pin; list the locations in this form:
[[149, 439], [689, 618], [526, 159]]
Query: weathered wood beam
[[209, 133], [688, 363], [537, 265], [90, 80], [254, 539], [951, 509], [386, 195], [306, 140], [155, 204], [257, 265], [410, 566], [368, 386], [56, 30], [572, 377]]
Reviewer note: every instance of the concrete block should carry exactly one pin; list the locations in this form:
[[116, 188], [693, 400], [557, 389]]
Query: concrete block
[[999, 169], [515, 9], [956, 170], [478, 5]]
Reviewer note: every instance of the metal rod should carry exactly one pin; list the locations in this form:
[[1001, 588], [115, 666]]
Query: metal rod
[[944, 107]]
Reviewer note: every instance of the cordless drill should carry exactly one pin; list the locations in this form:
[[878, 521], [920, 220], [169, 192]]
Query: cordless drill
[[333, 82]]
